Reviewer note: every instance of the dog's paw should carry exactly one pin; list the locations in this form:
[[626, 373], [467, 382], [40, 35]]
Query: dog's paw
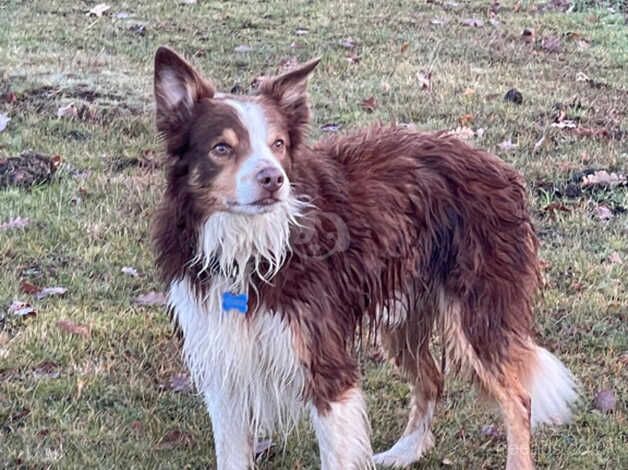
[[406, 451]]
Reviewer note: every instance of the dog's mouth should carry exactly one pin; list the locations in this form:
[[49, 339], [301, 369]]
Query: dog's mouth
[[259, 206]]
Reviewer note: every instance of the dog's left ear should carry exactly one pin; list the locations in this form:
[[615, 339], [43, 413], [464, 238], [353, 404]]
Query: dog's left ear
[[289, 91]]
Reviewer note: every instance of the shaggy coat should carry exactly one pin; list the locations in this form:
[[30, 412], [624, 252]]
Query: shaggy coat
[[401, 232]]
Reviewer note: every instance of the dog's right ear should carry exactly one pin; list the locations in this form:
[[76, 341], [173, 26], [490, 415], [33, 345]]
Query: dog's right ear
[[178, 86]]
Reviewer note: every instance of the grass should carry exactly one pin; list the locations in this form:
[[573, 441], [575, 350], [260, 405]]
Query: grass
[[67, 401]]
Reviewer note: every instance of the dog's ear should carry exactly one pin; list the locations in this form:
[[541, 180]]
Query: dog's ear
[[289, 91], [178, 86]]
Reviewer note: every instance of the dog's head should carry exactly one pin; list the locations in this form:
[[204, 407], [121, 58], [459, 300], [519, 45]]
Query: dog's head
[[234, 153]]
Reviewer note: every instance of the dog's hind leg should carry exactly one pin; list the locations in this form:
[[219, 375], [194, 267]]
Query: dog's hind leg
[[407, 347]]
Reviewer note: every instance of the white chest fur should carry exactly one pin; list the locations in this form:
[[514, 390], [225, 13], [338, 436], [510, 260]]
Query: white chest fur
[[249, 362]]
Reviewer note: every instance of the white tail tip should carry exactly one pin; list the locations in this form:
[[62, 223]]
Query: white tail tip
[[553, 390]]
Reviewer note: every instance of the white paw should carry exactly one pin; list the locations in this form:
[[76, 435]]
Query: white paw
[[406, 451]]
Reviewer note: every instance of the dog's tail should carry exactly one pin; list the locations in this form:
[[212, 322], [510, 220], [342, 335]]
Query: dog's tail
[[552, 388]]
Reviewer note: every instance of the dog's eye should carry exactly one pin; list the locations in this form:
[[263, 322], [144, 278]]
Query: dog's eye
[[222, 150], [278, 144]]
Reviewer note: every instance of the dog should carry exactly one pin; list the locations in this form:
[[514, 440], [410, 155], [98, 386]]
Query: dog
[[279, 256]]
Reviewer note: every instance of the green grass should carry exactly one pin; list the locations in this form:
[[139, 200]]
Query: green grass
[[106, 405]]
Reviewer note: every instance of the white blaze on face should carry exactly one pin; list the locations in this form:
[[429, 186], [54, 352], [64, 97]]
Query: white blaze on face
[[260, 155]]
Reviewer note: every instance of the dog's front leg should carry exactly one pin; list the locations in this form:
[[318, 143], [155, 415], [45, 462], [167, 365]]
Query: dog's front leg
[[233, 439], [343, 432]]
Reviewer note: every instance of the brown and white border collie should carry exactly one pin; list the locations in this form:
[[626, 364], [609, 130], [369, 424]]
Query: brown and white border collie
[[277, 255]]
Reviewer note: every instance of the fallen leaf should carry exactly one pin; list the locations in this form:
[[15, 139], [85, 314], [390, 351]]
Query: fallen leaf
[[151, 298], [508, 145], [425, 80], [98, 10], [348, 43], [129, 271], [47, 369], [438, 21], [490, 430], [369, 104], [404, 47], [528, 35], [605, 401], [514, 96], [331, 127], [50, 291], [465, 119], [68, 111], [68, 326], [180, 383], [603, 178], [473, 22], [28, 288], [565, 124], [175, 438], [4, 121], [21, 309], [603, 213], [243, 48], [551, 44], [614, 258]]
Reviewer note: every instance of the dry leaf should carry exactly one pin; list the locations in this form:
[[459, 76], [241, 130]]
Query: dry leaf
[[554, 207], [28, 288], [473, 22], [465, 120], [603, 178], [603, 213], [151, 298], [68, 326], [404, 47], [180, 383], [175, 438], [21, 309], [614, 258], [4, 121], [47, 369], [566, 124], [605, 401], [508, 145], [98, 10], [369, 104], [129, 271], [243, 48], [528, 35], [438, 21], [17, 222], [463, 133], [331, 127], [348, 43], [50, 291], [68, 111], [425, 80]]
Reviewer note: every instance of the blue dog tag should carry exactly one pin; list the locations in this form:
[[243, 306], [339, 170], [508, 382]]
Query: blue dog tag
[[231, 301]]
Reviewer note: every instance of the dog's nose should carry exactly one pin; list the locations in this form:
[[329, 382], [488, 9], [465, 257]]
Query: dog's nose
[[270, 178]]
